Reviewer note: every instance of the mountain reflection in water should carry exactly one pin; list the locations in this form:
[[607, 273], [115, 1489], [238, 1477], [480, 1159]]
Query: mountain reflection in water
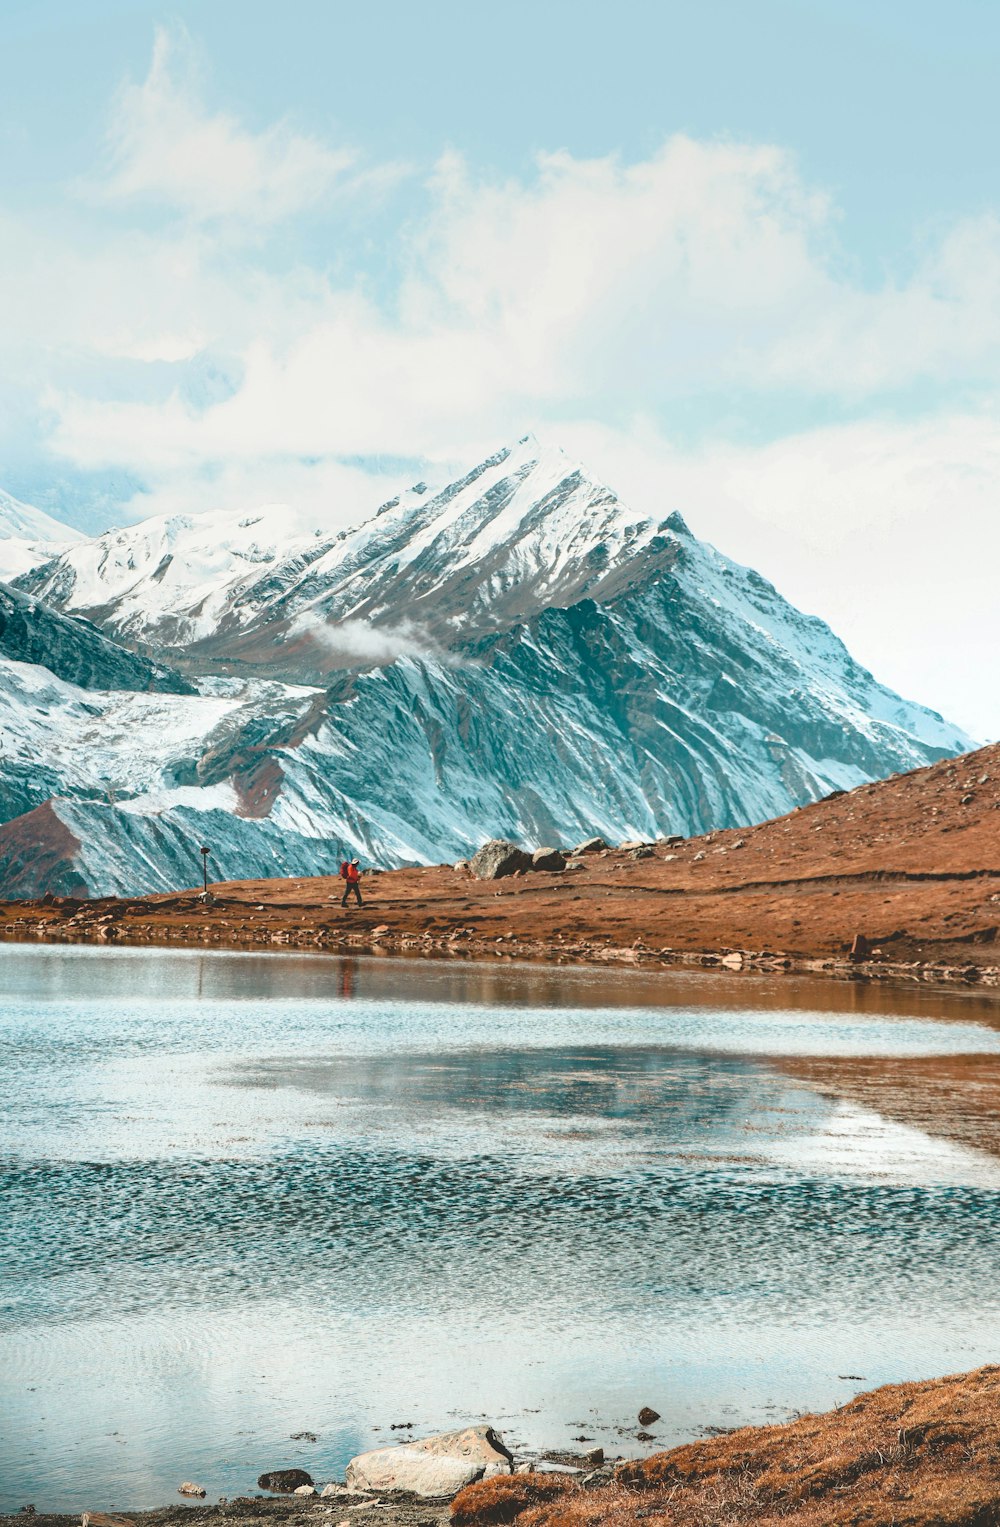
[[245, 1197]]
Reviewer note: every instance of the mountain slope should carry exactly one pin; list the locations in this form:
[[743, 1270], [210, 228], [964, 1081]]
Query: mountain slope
[[520, 653], [75, 650], [28, 536]]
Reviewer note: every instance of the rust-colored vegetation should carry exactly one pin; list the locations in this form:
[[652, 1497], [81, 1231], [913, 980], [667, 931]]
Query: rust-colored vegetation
[[903, 1455]]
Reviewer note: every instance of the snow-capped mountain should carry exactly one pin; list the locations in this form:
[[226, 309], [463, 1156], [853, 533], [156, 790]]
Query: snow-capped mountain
[[525, 529], [29, 536], [520, 654]]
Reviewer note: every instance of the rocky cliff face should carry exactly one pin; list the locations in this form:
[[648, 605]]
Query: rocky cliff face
[[519, 655], [75, 650]]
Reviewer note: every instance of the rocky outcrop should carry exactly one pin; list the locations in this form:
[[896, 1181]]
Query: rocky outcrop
[[590, 846], [434, 1467], [497, 858]]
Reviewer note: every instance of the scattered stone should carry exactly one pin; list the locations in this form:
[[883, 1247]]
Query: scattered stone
[[591, 846], [643, 851], [102, 1519], [594, 1458], [284, 1481], [461, 865], [305, 1490], [434, 1467], [672, 841], [698, 856], [187, 1488], [548, 859], [648, 1415], [633, 843], [733, 961], [497, 858], [376, 933]]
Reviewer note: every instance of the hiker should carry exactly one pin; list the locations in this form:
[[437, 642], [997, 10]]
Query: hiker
[[352, 876]]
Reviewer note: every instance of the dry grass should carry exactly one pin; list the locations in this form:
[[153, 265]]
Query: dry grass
[[904, 1455]]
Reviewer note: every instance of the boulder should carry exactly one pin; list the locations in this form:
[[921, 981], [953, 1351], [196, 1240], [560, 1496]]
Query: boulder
[[548, 859], [648, 1415], [631, 843], [187, 1488], [284, 1481], [434, 1467], [592, 846], [498, 857]]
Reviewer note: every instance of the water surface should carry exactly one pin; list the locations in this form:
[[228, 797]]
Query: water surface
[[249, 1196]]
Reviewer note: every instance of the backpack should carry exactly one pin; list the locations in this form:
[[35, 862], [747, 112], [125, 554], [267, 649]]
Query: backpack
[[344, 867]]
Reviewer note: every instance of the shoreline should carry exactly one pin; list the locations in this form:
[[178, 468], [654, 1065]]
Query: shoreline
[[922, 1453], [185, 921]]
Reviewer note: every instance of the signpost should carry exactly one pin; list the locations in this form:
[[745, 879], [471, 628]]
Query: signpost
[[204, 864]]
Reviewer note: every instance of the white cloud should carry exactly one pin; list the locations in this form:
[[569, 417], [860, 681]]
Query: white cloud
[[166, 147], [359, 644], [596, 287]]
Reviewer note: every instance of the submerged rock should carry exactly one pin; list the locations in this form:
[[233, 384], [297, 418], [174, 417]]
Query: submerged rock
[[284, 1481], [497, 858], [435, 1466]]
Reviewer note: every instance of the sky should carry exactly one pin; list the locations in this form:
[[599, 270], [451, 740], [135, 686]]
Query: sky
[[741, 260]]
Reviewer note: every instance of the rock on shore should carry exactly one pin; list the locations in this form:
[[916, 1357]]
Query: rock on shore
[[435, 1466]]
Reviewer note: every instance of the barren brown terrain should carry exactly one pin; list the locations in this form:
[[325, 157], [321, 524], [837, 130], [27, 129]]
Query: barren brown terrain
[[911, 863]]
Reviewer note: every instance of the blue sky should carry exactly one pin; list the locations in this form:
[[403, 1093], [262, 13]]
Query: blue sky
[[743, 260]]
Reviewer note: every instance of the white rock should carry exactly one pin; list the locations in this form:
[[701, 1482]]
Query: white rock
[[434, 1466], [305, 1490]]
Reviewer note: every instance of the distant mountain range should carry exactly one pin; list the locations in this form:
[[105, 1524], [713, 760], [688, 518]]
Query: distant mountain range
[[519, 654]]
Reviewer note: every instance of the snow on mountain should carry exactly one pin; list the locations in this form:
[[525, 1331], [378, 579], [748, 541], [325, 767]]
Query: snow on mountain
[[28, 536], [525, 529], [170, 579], [518, 654]]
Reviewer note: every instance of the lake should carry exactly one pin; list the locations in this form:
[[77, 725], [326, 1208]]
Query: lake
[[249, 1196]]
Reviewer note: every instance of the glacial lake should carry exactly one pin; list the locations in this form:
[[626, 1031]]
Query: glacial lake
[[250, 1196]]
